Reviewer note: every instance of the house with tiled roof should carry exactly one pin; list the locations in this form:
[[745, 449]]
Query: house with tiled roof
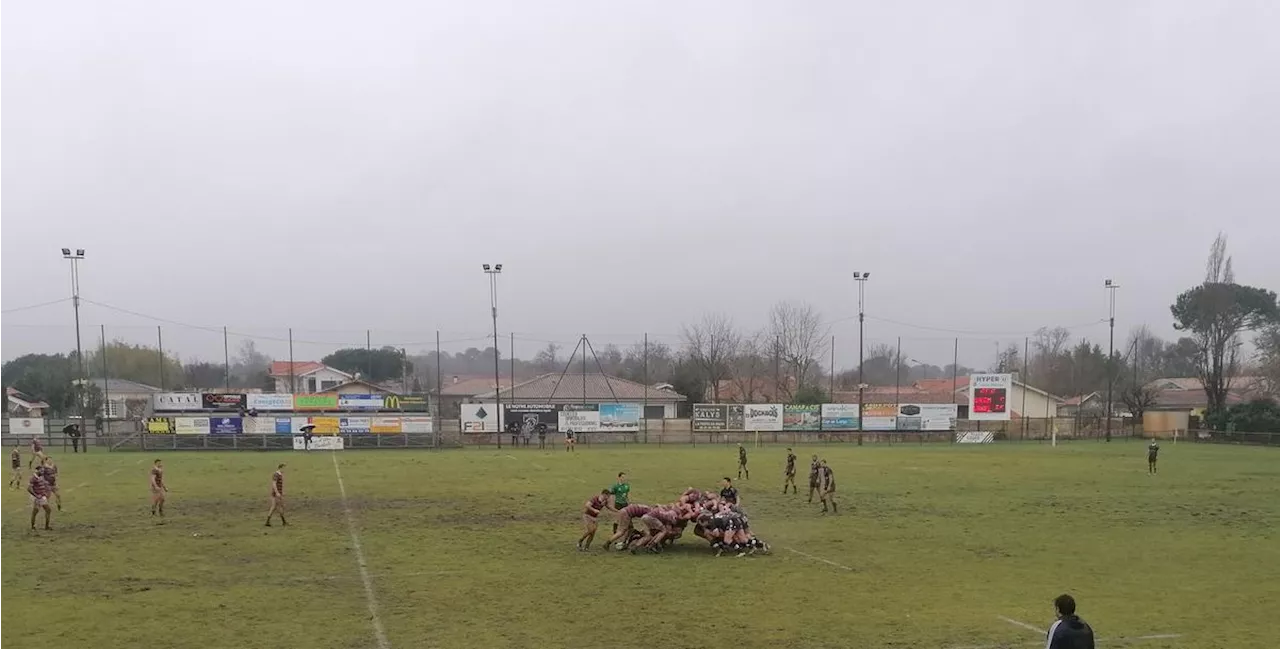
[[306, 376], [660, 402]]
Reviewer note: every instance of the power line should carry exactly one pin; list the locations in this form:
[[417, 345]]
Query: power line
[[36, 306]]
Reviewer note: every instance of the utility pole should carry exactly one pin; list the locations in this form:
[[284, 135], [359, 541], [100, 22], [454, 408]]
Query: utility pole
[[75, 258], [493, 272], [1111, 350], [861, 279]]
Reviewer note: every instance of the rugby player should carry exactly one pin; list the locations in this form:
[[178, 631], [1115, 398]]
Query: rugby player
[[277, 495], [158, 488], [569, 440], [625, 516], [728, 493], [815, 471], [790, 473], [590, 512], [39, 490], [37, 453], [828, 489], [49, 471], [15, 461], [619, 496], [742, 462], [1153, 450]]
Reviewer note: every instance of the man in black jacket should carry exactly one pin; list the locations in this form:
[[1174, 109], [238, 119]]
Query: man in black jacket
[[1068, 631]]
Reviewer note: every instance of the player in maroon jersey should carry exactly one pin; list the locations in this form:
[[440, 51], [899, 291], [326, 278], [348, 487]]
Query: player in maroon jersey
[[277, 496], [15, 461], [37, 453], [660, 523], [39, 490], [590, 511], [158, 488], [49, 471], [625, 516]]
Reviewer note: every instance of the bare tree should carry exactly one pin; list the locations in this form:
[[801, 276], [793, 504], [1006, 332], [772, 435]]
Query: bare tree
[[1138, 399], [750, 367], [548, 358], [801, 339], [711, 346]]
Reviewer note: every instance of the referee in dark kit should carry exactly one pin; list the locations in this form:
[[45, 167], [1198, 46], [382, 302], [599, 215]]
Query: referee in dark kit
[[1068, 631]]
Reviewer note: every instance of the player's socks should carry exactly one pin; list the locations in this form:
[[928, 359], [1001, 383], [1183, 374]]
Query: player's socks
[[268, 522]]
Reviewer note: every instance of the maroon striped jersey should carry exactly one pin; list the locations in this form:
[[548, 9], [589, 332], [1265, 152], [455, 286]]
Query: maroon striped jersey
[[38, 486], [636, 510], [157, 474], [597, 502], [49, 473], [277, 481], [36, 446]]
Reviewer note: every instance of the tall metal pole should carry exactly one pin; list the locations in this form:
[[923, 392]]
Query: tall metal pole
[[513, 367], [584, 369], [644, 409], [368, 354], [831, 391], [439, 422], [160, 343], [106, 389], [226, 358], [955, 370], [897, 387], [1111, 348], [75, 258], [861, 279], [492, 272], [1026, 359], [292, 383]]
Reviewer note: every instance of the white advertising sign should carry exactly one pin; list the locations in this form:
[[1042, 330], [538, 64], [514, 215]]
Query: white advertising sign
[[762, 416], [481, 418], [174, 401], [270, 402], [26, 426], [417, 424], [318, 443], [191, 425], [927, 416], [990, 397], [260, 425], [975, 438], [579, 421]]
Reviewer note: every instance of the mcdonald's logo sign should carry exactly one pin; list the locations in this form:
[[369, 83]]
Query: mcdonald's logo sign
[[405, 402]]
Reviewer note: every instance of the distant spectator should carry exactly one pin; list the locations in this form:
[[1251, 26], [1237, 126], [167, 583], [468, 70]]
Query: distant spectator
[[73, 431], [1068, 631]]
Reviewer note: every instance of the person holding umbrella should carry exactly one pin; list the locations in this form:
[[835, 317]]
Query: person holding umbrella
[[73, 431], [308, 431]]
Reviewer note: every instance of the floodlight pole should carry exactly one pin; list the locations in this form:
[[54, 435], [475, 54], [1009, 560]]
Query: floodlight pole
[[493, 272], [1111, 351], [75, 258], [861, 278]]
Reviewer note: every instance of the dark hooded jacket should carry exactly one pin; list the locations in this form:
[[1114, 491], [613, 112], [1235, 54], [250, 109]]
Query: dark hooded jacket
[[1070, 632]]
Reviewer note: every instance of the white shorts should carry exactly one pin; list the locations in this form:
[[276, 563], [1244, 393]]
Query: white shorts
[[39, 501]]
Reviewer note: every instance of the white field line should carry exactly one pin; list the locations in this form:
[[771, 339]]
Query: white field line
[[386, 575], [826, 561], [113, 472], [379, 632], [538, 466], [1029, 627], [510, 457]]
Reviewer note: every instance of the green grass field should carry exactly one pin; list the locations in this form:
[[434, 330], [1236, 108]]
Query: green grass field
[[934, 545]]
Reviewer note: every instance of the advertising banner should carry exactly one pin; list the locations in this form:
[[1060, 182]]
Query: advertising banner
[[318, 443], [221, 401], [927, 416], [880, 416], [417, 424], [360, 401], [324, 425], [315, 402], [159, 425], [481, 418], [191, 425], [260, 425], [289, 425], [975, 437], [226, 425], [532, 414], [175, 401], [26, 426], [386, 425], [762, 416], [406, 402], [734, 415], [839, 416], [580, 417], [270, 402], [710, 416], [801, 417], [620, 417], [989, 396], [355, 425]]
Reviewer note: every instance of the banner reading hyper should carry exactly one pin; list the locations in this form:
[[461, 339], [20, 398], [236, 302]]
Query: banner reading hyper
[[315, 402]]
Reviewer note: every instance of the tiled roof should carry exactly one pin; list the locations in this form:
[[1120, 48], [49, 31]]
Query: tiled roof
[[888, 394], [23, 399], [300, 368], [472, 386], [121, 386], [600, 388]]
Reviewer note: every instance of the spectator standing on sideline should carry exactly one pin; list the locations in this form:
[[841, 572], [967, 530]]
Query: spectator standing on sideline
[[73, 431], [542, 435], [1153, 450], [1068, 631]]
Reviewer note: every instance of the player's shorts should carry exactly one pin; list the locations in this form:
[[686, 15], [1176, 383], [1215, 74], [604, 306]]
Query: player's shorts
[[652, 523], [624, 519], [39, 501], [589, 519], [157, 492], [790, 473], [16, 466]]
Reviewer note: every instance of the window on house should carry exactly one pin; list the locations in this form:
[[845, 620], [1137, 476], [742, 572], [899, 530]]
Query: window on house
[[325, 385], [112, 410], [311, 384]]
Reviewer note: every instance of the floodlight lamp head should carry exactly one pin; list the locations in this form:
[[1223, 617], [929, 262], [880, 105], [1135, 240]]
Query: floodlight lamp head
[[486, 268], [1108, 282], [66, 252], [79, 252], [498, 267]]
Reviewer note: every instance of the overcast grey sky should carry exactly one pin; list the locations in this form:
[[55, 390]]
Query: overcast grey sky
[[337, 166]]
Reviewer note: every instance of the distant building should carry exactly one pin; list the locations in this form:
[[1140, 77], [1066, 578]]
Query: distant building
[[23, 405], [306, 377], [359, 386], [465, 389], [555, 388], [123, 399], [1093, 404]]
